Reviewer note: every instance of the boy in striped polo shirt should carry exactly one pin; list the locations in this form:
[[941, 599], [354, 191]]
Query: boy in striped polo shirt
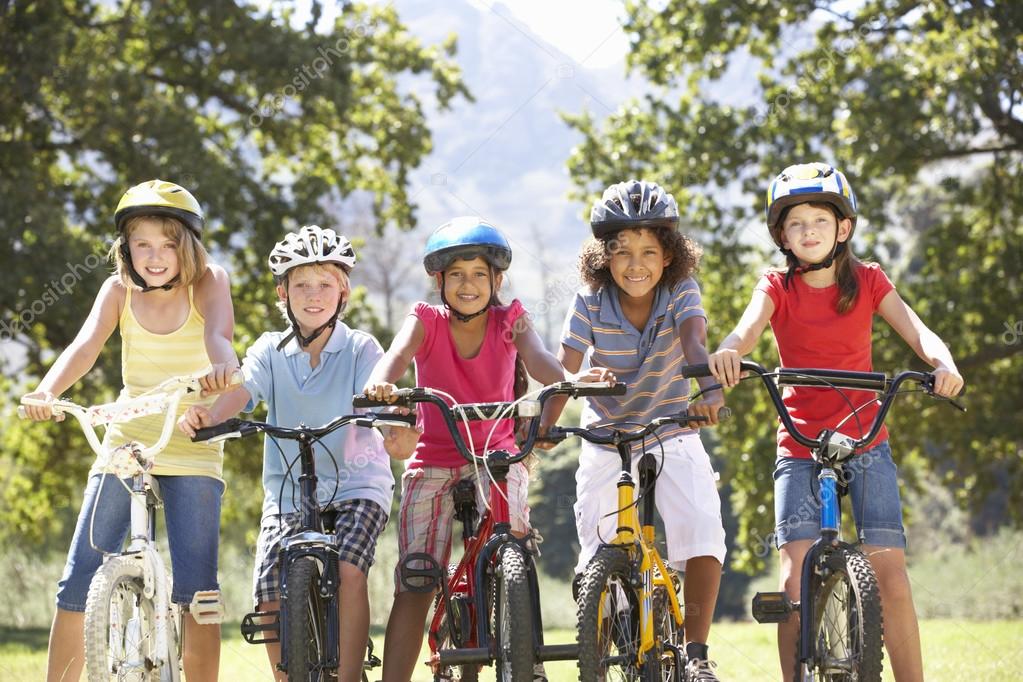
[[641, 317]]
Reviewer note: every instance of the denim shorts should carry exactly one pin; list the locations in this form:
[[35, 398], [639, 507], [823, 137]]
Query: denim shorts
[[191, 507], [873, 496]]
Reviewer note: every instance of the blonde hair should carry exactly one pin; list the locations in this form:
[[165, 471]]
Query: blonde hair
[[192, 256], [344, 283]]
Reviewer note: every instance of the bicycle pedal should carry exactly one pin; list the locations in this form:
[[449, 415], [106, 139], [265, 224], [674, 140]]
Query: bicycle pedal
[[251, 630], [425, 579], [772, 607], [207, 608]]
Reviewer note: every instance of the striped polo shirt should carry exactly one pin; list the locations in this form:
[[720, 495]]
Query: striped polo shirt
[[647, 361]]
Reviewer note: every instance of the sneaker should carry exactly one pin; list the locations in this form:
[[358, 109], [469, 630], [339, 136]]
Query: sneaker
[[700, 670], [539, 674]]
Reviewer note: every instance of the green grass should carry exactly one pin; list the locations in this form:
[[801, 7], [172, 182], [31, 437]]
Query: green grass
[[952, 649]]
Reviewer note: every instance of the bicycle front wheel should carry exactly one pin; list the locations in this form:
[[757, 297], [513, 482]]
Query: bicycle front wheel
[[608, 619], [305, 612], [120, 637], [514, 617], [847, 626]]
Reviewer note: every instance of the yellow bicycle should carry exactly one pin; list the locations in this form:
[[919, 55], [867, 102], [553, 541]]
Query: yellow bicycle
[[630, 621]]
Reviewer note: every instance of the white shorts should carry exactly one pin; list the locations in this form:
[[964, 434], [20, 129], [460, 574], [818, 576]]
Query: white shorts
[[686, 497]]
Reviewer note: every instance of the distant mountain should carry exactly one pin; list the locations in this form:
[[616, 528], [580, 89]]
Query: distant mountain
[[503, 156]]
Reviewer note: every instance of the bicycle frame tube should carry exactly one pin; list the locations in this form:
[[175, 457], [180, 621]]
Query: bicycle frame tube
[[830, 510], [307, 486]]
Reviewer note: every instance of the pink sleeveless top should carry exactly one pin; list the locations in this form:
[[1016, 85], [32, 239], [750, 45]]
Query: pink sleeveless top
[[488, 377]]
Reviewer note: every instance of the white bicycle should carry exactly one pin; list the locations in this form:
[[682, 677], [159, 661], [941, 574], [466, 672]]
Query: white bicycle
[[132, 628]]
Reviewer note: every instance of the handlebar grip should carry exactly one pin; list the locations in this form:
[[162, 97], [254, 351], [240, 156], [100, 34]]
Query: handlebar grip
[[601, 388], [392, 419], [403, 398], [228, 427], [696, 371]]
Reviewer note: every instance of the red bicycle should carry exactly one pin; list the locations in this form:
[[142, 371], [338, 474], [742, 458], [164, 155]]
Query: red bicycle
[[488, 607]]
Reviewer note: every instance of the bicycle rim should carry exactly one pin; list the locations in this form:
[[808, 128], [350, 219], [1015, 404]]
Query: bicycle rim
[[120, 641]]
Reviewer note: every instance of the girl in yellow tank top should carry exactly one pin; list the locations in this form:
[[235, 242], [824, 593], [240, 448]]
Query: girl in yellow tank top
[[175, 317]]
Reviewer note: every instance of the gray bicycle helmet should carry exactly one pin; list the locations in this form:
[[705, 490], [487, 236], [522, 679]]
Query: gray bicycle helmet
[[632, 204]]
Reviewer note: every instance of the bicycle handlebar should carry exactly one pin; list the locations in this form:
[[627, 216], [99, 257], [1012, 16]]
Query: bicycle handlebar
[[528, 409], [164, 398], [239, 428], [877, 382], [616, 436]]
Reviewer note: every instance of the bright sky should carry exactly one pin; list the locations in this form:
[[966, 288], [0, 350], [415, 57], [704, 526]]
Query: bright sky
[[588, 31]]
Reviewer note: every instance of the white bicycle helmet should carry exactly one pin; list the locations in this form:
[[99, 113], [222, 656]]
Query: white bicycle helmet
[[311, 244]]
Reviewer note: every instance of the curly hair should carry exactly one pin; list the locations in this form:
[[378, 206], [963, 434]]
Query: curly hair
[[595, 259]]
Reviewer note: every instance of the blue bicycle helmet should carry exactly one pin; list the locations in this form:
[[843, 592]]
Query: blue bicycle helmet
[[465, 238]]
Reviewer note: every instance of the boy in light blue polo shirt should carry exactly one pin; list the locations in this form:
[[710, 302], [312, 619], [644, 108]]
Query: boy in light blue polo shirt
[[309, 374], [641, 317]]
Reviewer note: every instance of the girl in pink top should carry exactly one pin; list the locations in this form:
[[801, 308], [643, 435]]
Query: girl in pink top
[[477, 350]]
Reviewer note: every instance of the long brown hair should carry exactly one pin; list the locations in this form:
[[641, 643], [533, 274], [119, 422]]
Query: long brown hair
[[846, 261]]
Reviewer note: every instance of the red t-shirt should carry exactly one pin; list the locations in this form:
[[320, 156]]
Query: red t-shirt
[[810, 332], [488, 377]]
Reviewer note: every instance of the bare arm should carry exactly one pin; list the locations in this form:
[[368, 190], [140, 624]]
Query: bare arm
[[213, 299], [540, 363], [571, 360], [725, 362], [226, 406], [79, 357], [924, 342], [396, 360], [693, 336]]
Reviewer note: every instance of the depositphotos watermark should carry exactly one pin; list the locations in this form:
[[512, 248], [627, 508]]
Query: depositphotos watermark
[[54, 291], [268, 107]]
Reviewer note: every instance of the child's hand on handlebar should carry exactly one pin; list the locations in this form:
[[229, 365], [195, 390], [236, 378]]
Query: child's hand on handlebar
[[594, 375], [726, 366], [40, 413], [222, 377], [947, 382], [708, 406], [195, 418], [400, 441], [381, 390]]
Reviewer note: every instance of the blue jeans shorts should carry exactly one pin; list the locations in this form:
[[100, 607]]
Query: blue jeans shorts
[[873, 496], [191, 507]]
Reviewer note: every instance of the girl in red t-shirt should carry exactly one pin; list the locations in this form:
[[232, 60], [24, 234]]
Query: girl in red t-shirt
[[821, 309]]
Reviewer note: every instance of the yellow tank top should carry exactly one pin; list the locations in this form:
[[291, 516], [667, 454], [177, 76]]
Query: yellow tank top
[[147, 359]]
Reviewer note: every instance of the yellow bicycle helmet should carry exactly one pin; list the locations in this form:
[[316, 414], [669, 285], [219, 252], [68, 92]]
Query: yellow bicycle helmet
[[161, 198]]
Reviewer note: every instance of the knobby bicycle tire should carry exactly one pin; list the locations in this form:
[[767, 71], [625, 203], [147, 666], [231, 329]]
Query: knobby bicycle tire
[[666, 638], [514, 618], [306, 615], [608, 619], [120, 638], [847, 622]]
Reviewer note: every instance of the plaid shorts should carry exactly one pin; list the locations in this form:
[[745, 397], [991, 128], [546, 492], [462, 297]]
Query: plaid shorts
[[359, 524], [427, 509]]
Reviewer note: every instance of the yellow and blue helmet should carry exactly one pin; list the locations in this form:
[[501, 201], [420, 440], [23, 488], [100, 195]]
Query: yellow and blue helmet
[[808, 182]]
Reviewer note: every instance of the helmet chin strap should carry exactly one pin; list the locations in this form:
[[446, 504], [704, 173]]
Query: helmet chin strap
[[304, 341], [795, 268], [138, 279], [461, 317]]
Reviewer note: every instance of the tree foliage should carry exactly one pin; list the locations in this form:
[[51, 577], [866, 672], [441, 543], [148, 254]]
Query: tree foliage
[[920, 104], [267, 123]]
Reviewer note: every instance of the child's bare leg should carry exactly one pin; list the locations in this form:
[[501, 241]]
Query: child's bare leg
[[404, 637], [201, 654], [65, 658], [901, 630], [792, 554], [354, 620]]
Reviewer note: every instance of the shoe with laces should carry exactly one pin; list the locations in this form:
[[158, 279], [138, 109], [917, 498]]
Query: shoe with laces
[[539, 674], [700, 670]]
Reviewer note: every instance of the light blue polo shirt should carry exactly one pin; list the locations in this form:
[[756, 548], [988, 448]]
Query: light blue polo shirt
[[296, 393], [647, 361]]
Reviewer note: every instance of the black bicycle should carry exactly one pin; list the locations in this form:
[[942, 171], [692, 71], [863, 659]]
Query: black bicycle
[[840, 632], [307, 561]]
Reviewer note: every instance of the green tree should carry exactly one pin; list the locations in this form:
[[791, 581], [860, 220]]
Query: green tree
[[920, 104], [267, 123]]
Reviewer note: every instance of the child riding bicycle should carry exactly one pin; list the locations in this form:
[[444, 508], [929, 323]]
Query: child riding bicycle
[[641, 318], [308, 375], [821, 309], [468, 347], [173, 310]]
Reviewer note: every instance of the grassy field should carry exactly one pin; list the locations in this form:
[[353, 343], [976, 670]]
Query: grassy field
[[953, 650]]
